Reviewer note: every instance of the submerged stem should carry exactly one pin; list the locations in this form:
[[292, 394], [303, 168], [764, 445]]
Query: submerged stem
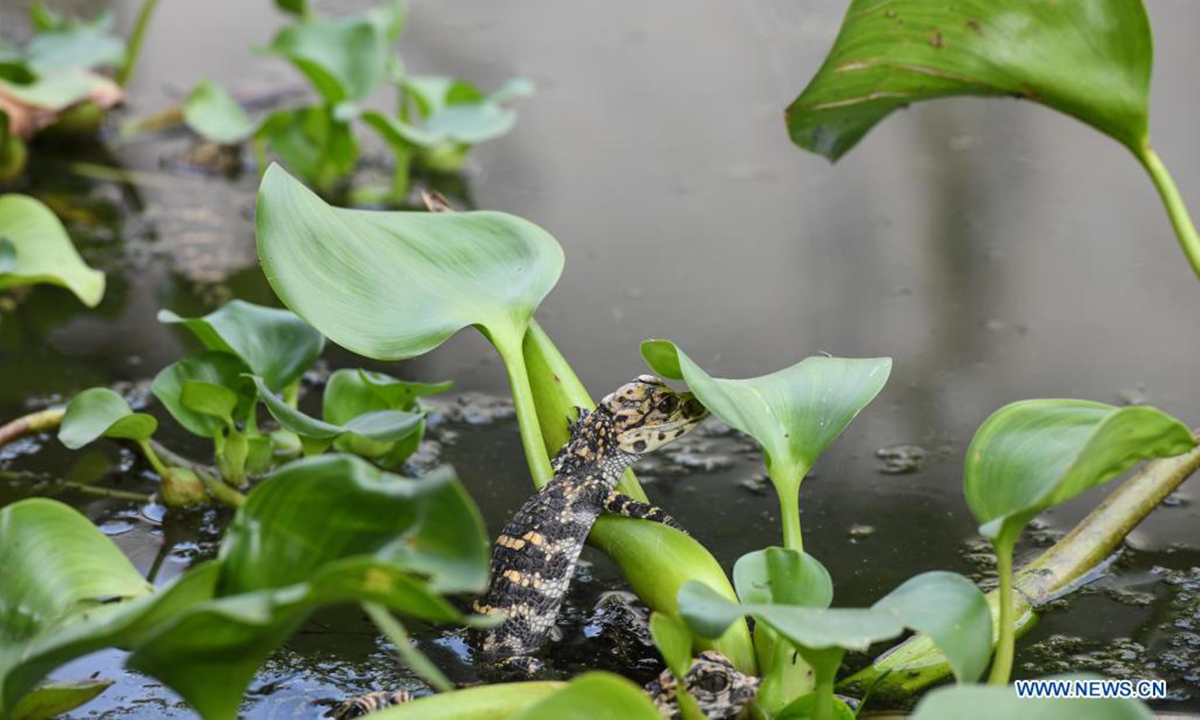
[[1189, 240], [133, 48], [109, 492], [916, 663], [412, 657], [35, 422]]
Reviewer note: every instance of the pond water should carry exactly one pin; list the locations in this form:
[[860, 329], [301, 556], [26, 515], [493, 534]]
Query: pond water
[[996, 250]]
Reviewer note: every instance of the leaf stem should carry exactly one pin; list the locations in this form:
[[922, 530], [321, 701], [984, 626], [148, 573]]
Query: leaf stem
[[109, 492], [152, 458], [409, 654], [1189, 240], [221, 491], [786, 480], [1003, 661], [527, 418], [133, 48]]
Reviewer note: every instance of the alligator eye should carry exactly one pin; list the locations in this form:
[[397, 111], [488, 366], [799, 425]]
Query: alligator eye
[[713, 683], [668, 404]]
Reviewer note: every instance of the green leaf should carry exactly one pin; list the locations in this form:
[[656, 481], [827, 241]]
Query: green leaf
[[350, 394], [273, 343], [43, 251], [1090, 60], [74, 47], [594, 696], [319, 531], [946, 606], [58, 91], [213, 368], [395, 285], [55, 699], [344, 58], [212, 113], [397, 394], [674, 643], [324, 531], [100, 412], [785, 577], [208, 399], [384, 426], [315, 511], [795, 413], [62, 576], [990, 702], [313, 143], [1034, 454], [484, 702]]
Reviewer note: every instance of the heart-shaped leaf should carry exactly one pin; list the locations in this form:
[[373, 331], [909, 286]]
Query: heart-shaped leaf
[[74, 46], [208, 399], [213, 114], [100, 412], [275, 344], [350, 394], [1090, 60], [794, 414], [594, 696], [782, 577], [43, 251], [313, 142], [350, 391], [393, 285], [344, 58], [1034, 454], [946, 606], [211, 368], [990, 702], [382, 426]]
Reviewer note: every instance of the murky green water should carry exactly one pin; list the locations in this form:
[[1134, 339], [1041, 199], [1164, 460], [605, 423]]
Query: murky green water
[[997, 251]]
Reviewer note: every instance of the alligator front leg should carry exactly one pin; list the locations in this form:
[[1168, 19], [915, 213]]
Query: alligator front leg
[[619, 503]]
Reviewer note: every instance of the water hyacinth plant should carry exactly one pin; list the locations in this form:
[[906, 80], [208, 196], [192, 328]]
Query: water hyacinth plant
[[250, 356], [321, 531], [345, 61], [64, 80]]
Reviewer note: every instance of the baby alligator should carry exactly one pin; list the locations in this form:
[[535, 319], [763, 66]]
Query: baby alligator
[[535, 555]]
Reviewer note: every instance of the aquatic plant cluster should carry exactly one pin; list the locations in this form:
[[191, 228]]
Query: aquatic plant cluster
[[322, 515]]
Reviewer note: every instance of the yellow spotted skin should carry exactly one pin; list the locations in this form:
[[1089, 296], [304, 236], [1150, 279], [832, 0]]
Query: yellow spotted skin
[[534, 557]]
